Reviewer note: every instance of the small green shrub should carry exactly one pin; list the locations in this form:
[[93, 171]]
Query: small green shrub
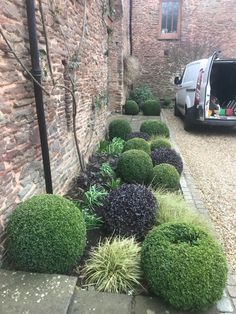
[[131, 107], [92, 221], [155, 127], [184, 265], [106, 171], [167, 101], [173, 208], [141, 94], [46, 233], [135, 166], [144, 136], [119, 128], [160, 143], [165, 176], [130, 210], [114, 266], [137, 143], [152, 108]]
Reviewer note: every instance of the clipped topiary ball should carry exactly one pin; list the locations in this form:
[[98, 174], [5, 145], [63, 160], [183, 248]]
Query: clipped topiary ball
[[130, 210], [155, 127], [165, 176], [145, 136], [131, 107], [137, 143], [185, 265], [135, 166], [167, 156], [119, 128], [152, 108], [46, 233], [160, 143]]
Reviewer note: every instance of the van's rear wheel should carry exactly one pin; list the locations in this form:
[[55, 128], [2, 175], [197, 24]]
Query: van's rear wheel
[[188, 121], [176, 110]]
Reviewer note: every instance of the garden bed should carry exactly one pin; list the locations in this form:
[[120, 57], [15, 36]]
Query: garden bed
[[141, 236]]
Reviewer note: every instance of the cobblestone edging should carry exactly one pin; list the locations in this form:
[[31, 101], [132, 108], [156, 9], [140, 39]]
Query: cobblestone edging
[[192, 196]]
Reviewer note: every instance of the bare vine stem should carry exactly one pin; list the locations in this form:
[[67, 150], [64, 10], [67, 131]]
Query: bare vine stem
[[20, 62], [46, 41]]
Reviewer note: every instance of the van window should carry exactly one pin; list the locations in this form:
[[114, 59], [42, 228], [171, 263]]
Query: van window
[[191, 73]]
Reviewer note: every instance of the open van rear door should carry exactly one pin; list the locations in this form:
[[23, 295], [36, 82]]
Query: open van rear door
[[205, 85]]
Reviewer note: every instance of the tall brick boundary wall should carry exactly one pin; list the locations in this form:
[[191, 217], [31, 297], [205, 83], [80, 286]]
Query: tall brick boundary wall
[[211, 24], [21, 170]]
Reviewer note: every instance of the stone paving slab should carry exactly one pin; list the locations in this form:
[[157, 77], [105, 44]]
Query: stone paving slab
[[87, 302], [30, 293], [151, 305]]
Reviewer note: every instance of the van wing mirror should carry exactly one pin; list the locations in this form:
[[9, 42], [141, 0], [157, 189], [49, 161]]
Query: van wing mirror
[[177, 80]]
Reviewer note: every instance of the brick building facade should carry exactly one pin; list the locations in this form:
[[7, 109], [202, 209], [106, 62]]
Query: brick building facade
[[85, 47], [200, 28]]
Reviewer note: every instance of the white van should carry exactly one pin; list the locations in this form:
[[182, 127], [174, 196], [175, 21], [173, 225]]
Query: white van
[[206, 93]]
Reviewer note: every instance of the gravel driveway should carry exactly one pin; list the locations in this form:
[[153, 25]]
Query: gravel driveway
[[210, 154]]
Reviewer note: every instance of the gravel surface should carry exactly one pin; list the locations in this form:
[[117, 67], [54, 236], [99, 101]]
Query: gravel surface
[[210, 154]]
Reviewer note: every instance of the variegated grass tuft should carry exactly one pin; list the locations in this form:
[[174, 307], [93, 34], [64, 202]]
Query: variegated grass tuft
[[114, 266]]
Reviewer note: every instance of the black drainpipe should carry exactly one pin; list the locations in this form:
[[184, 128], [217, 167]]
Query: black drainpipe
[[130, 26], [36, 72]]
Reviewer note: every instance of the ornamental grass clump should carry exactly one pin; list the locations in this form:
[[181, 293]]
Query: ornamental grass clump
[[119, 128], [114, 266], [130, 210], [167, 156], [165, 176], [152, 107], [145, 136], [184, 265], [173, 208], [131, 107], [155, 127], [160, 142], [135, 166], [46, 233], [139, 144]]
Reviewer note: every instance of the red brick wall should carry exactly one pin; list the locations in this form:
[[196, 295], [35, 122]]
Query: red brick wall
[[209, 24], [21, 171]]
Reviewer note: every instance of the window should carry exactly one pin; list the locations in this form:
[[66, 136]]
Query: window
[[170, 19]]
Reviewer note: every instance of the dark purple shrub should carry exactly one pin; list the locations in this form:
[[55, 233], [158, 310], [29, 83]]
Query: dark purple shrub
[[167, 156], [130, 210]]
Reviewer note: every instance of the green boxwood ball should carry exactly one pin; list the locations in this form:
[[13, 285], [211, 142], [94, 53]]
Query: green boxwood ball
[[155, 127], [184, 265], [46, 233], [152, 108], [160, 143], [137, 143], [119, 128], [131, 107], [135, 166], [165, 176]]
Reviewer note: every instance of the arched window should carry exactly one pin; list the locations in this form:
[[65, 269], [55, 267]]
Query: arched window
[[170, 14]]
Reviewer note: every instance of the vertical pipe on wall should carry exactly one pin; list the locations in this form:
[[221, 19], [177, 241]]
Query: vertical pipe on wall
[[36, 72], [130, 26]]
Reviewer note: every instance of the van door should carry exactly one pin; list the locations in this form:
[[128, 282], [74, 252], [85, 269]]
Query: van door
[[205, 90]]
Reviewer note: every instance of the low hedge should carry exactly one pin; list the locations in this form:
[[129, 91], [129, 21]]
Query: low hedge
[[46, 233], [139, 144], [135, 166], [155, 127], [131, 107], [184, 265], [152, 108], [160, 143], [165, 176], [119, 128]]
